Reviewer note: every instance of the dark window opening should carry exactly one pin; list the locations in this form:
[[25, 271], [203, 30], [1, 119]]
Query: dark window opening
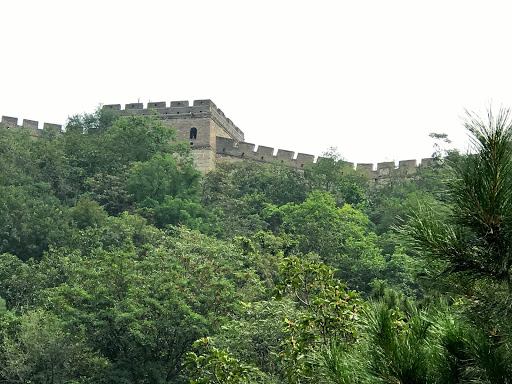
[[193, 133]]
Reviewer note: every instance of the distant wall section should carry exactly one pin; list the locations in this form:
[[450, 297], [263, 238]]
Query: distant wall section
[[231, 150], [29, 126]]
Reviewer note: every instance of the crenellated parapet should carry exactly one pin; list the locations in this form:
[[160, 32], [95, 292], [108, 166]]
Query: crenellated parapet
[[241, 150], [30, 126], [180, 110], [229, 148], [214, 137]]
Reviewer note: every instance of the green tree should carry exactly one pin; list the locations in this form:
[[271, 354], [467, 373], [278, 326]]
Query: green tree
[[35, 347], [334, 175], [469, 242], [31, 219], [329, 313], [340, 235], [162, 176], [213, 365], [466, 246]]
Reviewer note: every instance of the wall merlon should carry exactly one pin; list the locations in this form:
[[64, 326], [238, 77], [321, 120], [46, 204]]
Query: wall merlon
[[203, 103], [116, 107], [386, 168], [132, 106], [9, 122], [365, 166], [157, 104], [265, 153], [52, 126], [284, 155], [180, 103], [407, 164], [303, 158], [30, 124], [246, 147], [386, 165], [407, 167], [428, 162]]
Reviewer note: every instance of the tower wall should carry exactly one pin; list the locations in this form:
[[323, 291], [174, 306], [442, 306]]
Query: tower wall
[[209, 121]]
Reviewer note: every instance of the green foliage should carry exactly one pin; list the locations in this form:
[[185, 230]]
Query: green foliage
[[343, 364], [339, 235], [401, 352], [256, 333], [166, 193], [36, 348], [469, 241], [334, 175], [87, 213], [465, 245], [109, 190], [216, 366], [31, 219], [116, 255], [330, 312], [92, 123], [162, 176]]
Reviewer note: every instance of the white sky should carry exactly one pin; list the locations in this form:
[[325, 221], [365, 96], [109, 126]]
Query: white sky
[[372, 78]]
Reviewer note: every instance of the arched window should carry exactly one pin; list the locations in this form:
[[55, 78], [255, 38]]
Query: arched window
[[193, 133]]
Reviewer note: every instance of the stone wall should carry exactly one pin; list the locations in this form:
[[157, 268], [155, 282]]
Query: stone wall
[[231, 150], [217, 138], [198, 124], [182, 110], [30, 126]]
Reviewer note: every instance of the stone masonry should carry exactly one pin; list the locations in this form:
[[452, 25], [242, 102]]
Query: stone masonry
[[213, 137]]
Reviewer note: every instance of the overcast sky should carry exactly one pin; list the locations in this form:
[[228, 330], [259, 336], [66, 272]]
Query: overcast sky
[[372, 78]]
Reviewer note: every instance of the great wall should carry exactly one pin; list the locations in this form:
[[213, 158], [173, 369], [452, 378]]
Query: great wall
[[213, 137]]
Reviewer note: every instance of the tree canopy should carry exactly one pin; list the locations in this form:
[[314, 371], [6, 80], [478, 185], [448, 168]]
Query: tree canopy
[[121, 263]]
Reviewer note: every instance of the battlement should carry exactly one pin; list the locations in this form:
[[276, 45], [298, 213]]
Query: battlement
[[30, 126], [182, 110], [214, 137], [240, 150]]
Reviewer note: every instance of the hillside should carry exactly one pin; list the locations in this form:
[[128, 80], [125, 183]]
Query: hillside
[[121, 262]]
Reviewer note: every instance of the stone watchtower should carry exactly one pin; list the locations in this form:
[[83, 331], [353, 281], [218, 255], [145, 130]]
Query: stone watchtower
[[199, 124]]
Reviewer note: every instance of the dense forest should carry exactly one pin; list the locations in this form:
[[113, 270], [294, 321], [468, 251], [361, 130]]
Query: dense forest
[[121, 263]]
